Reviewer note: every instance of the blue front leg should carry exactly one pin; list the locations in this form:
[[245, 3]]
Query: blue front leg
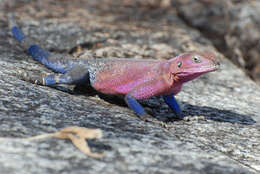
[[172, 103], [134, 105]]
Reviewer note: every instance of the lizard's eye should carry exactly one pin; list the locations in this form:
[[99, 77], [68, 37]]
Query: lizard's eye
[[196, 59], [179, 64]]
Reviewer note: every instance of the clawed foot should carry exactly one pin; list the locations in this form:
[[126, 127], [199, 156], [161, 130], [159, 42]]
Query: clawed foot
[[35, 79], [151, 119], [195, 118]]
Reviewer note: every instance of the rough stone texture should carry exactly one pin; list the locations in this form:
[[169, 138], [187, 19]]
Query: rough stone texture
[[228, 141]]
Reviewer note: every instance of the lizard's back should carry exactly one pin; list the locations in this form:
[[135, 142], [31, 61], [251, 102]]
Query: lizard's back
[[119, 76]]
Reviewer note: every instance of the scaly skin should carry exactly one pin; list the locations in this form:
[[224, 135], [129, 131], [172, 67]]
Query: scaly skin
[[136, 79]]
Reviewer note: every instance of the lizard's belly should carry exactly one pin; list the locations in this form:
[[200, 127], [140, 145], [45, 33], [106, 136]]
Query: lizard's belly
[[116, 86], [113, 89]]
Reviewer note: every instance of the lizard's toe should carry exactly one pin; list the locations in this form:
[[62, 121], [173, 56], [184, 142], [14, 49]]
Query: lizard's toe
[[35, 79], [195, 118]]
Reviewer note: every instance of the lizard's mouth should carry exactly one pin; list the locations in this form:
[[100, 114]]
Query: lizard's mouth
[[199, 70], [194, 72], [208, 68]]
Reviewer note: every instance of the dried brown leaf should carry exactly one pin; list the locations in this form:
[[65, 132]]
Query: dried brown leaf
[[77, 135]]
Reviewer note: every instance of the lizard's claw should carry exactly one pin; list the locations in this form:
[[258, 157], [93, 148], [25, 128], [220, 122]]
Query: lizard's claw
[[195, 118], [148, 118]]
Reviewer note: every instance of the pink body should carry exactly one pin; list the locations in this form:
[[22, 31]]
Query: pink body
[[147, 78]]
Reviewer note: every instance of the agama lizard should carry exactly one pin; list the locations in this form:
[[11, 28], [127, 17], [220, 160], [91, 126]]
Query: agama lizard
[[137, 79]]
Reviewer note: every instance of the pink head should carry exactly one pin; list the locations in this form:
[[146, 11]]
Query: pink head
[[190, 65]]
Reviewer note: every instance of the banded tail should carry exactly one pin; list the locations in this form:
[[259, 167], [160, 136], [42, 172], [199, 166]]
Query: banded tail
[[52, 62]]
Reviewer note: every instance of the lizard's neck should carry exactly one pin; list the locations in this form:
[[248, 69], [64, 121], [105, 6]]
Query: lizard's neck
[[189, 78], [175, 83]]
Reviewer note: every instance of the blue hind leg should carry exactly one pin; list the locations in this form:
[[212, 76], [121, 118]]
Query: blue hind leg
[[77, 75], [55, 63]]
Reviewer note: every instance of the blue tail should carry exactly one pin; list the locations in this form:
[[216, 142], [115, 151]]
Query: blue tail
[[40, 54]]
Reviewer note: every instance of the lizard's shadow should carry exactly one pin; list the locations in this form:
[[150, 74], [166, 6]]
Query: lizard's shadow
[[162, 112], [158, 109], [89, 91], [218, 115]]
